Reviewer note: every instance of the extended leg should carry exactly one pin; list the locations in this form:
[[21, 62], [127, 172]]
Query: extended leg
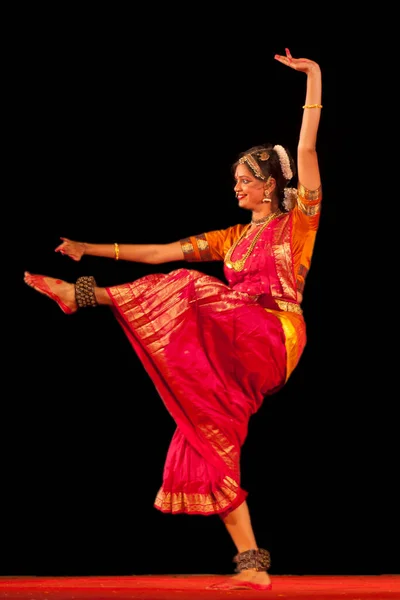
[[69, 296]]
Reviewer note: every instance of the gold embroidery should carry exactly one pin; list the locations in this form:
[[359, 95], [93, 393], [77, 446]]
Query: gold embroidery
[[289, 306], [205, 503], [309, 194], [196, 248], [238, 265], [202, 244], [308, 210], [281, 248], [186, 248], [222, 445]]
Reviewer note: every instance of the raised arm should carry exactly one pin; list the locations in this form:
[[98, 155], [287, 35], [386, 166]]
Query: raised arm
[[143, 253], [307, 159]]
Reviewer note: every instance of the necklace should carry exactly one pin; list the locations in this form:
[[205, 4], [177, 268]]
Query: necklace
[[260, 221], [238, 265]]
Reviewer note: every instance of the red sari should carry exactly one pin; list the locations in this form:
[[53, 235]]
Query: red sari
[[214, 351]]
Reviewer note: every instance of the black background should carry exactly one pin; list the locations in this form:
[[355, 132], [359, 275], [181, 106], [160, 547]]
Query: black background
[[124, 129]]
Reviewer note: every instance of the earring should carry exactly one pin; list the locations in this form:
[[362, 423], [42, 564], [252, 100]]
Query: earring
[[266, 199]]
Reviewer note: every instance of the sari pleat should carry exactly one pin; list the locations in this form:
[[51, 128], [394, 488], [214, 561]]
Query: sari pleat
[[213, 354]]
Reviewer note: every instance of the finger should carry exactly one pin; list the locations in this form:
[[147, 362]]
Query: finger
[[288, 53], [283, 59]]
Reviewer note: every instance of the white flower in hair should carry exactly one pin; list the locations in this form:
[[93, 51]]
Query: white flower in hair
[[284, 162], [290, 199]]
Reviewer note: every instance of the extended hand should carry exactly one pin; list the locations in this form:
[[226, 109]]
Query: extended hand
[[298, 64], [74, 250]]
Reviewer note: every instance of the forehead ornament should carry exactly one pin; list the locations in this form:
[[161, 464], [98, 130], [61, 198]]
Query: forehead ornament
[[252, 163]]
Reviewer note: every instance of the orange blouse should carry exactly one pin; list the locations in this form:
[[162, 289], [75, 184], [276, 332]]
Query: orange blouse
[[277, 267], [303, 221]]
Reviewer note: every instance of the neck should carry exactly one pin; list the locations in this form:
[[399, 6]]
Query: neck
[[259, 221]]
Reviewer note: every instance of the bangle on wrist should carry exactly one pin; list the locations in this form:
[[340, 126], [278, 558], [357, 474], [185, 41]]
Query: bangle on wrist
[[116, 251], [312, 106]]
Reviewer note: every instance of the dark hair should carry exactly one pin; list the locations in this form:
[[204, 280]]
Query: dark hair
[[269, 167]]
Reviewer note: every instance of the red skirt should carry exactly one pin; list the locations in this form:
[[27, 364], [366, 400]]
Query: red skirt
[[213, 354]]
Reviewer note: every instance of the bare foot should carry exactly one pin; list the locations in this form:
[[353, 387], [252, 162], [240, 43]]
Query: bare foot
[[56, 289], [259, 577], [247, 579]]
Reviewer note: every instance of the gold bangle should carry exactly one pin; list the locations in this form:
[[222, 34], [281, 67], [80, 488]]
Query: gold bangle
[[312, 106], [116, 251]]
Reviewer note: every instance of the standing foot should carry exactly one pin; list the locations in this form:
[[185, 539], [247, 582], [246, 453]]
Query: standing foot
[[248, 579]]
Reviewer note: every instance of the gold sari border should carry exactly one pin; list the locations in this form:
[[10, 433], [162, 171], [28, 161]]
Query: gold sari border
[[289, 306], [200, 503]]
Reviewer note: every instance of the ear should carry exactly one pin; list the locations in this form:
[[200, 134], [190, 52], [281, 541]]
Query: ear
[[270, 185]]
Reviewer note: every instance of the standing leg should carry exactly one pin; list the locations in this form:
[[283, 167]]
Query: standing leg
[[250, 558], [238, 524]]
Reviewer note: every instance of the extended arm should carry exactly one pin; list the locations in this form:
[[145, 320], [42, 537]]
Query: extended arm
[[307, 159], [143, 253]]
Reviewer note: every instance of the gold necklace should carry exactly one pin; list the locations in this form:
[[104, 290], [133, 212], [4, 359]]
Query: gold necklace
[[260, 221], [238, 265]]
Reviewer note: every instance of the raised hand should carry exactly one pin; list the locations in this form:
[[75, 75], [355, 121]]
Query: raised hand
[[298, 64], [74, 250]]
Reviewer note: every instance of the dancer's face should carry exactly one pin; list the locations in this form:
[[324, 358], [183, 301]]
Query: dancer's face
[[248, 189]]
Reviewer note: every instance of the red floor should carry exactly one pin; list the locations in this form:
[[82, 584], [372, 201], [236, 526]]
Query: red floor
[[192, 587]]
